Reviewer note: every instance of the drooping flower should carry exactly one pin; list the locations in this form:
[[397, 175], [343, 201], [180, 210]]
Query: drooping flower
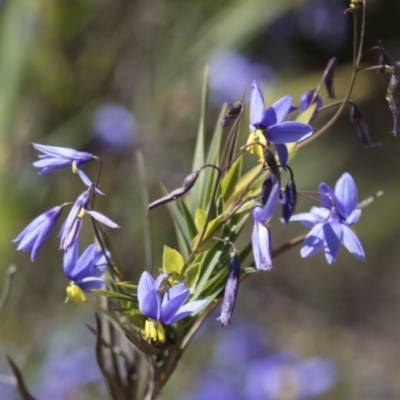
[[261, 237], [73, 223], [54, 158], [308, 98], [362, 128], [162, 305], [230, 292], [331, 222], [32, 238], [266, 126], [84, 272]]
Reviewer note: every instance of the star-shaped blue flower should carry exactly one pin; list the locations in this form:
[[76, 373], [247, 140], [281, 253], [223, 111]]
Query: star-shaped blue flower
[[166, 307], [84, 272], [331, 222], [269, 122], [261, 237]]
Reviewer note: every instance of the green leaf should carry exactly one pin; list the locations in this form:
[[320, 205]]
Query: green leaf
[[113, 295], [200, 218], [189, 218], [192, 276], [214, 228], [231, 179], [172, 261]]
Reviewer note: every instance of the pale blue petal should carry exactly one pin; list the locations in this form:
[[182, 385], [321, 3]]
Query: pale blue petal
[[307, 219], [70, 260], [146, 283], [87, 182], [277, 112], [169, 310], [89, 283], [283, 154], [174, 291], [257, 106], [352, 243], [266, 212], [346, 193], [288, 132], [327, 196], [86, 262], [63, 152], [261, 242], [333, 234], [150, 306], [188, 309], [353, 217], [314, 242], [159, 280], [102, 218]]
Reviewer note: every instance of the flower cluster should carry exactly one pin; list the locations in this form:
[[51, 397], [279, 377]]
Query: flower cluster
[[84, 272]]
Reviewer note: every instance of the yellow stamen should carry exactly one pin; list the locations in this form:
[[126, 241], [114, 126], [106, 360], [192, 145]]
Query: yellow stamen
[[74, 168], [75, 293], [258, 149], [154, 331], [81, 213]]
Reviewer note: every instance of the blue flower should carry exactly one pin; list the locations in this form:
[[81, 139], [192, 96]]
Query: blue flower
[[73, 223], [266, 125], [305, 100], [163, 306], [331, 222], [54, 158], [84, 272], [261, 237], [284, 376], [32, 238]]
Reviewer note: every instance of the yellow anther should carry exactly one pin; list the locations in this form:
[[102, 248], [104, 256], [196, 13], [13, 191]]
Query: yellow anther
[[154, 331], [258, 149], [81, 213], [75, 293], [74, 168]]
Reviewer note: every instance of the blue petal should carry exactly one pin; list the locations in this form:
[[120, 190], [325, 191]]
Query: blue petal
[[63, 152], [169, 310], [51, 164], [327, 196], [263, 214], [174, 291], [261, 243], [283, 154], [288, 132], [86, 262], [277, 112], [159, 280], [307, 219], [257, 106], [346, 193], [89, 283], [353, 217], [352, 244], [87, 182], [333, 234], [314, 242], [150, 306], [102, 218], [188, 309], [146, 283], [70, 260]]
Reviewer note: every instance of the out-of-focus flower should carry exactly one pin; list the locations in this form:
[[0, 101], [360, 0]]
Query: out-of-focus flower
[[283, 376], [266, 126], [331, 222], [261, 236], [163, 306], [115, 126], [230, 75], [73, 223], [32, 238], [230, 292], [84, 272]]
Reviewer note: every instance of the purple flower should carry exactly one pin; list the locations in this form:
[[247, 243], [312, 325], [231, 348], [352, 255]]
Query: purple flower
[[261, 237], [331, 222], [84, 272], [306, 100], [266, 125], [283, 375], [163, 306], [54, 158], [32, 238], [73, 223]]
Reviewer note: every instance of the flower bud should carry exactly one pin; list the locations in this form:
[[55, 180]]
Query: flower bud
[[230, 293], [289, 201], [233, 112], [362, 128]]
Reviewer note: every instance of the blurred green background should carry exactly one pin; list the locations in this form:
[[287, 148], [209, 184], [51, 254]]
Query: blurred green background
[[112, 77]]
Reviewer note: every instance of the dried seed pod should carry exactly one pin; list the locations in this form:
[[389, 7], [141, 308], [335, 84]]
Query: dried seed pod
[[393, 98], [234, 110], [328, 77]]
